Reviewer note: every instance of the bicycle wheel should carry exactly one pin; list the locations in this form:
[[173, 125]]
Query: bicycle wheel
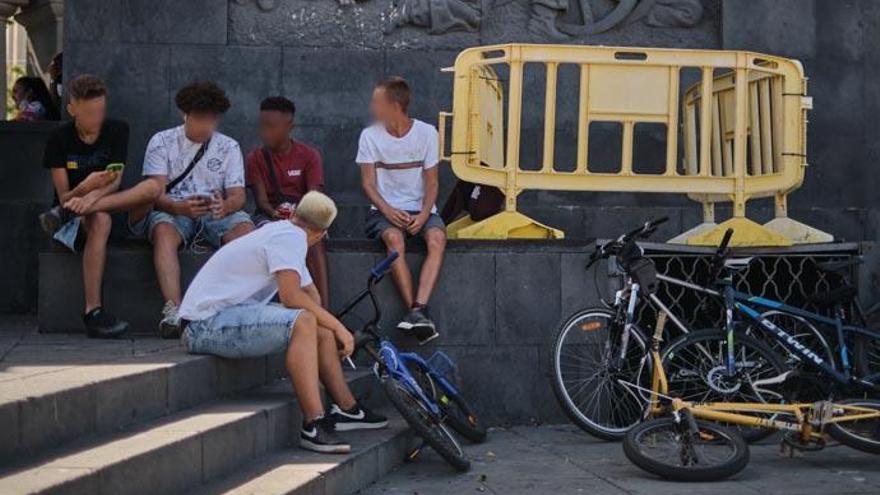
[[866, 354], [696, 369], [434, 433], [670, 450], [586, 367], [863, 434], [457, 412], [808, 384]]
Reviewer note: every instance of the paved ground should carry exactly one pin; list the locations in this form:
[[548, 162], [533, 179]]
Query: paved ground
[[561, 460]]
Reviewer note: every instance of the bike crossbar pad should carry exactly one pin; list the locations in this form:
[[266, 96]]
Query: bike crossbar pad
[[383, 266]]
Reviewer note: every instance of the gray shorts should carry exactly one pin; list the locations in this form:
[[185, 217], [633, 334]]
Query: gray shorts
[[242, 331], [377, 223]]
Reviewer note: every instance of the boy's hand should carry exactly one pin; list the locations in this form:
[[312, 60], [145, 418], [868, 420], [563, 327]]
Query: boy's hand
[[193, 208], [82, 204], [417, 223], [398, 218], [218, 207], [345, 341], [97, 180]]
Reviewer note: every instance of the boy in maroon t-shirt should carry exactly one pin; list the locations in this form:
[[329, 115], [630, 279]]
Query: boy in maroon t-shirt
[[296, 169]]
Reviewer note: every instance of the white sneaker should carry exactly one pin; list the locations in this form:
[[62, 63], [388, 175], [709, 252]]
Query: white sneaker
[[169, 326]]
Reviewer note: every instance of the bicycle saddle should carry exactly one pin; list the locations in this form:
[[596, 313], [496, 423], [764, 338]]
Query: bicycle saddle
[[838, 266], [835, 296], [737, 264]]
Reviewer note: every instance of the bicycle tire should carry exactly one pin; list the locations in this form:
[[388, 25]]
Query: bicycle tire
[[702, 390], [434, 434], [846, 436], [640, 452], [595, 425], [458, 413]]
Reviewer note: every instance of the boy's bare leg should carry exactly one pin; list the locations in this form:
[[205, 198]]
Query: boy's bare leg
[[331, 373], [138, 198], [166, 241], [394, 241], [435, 239], [316, 262], [302, 365], [97, 227]]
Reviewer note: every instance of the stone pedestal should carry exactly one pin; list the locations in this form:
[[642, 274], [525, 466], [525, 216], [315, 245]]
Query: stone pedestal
[[44, 21]]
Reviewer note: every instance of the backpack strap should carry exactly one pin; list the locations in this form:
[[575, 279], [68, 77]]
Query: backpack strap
[[276, 192]]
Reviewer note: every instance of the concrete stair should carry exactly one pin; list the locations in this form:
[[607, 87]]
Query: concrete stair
[[142, 417]]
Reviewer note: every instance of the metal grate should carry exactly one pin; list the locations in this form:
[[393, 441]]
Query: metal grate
[[790, 278]]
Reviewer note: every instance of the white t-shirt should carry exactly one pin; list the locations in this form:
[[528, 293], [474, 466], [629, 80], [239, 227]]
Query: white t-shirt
[[243, 271], [400, 162], [170, 152]]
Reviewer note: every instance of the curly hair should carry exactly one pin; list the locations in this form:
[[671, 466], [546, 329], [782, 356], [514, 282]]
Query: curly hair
[[202, 97], [86, 87]]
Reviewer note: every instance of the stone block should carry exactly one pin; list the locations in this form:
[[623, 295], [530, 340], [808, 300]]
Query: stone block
[[231, 445], [67, 415], [191, 382], [131, 399], [173, 21], [247, 74], [338, 147], [235, 375], [93, 20], [527, 297], [579, 286], [431, 89], [9, 416], [172, 468], [342, 97], [465, 309], [779, 27]]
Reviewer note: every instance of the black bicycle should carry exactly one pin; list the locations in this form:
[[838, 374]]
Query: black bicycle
[[422, 390]]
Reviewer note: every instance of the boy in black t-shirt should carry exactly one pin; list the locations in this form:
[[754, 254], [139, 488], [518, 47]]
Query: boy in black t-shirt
[[78, 154]]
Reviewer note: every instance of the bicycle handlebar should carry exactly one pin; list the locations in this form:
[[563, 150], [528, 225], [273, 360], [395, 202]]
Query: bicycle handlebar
[[380, 268], [612, 247]]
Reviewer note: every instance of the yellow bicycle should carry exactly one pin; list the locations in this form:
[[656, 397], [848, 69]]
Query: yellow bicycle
[[684, 441]]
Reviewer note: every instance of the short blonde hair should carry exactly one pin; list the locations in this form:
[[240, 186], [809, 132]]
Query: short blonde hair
[[316, 209]]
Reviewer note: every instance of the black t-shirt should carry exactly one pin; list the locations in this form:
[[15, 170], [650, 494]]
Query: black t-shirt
[[66, 150]]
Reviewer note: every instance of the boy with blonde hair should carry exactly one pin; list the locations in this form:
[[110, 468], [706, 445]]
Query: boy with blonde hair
[[227, 312]]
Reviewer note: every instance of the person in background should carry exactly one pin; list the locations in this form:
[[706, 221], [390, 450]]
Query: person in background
[[78, 153], [228, 313], [398, 158], [203, 174], [55, 71], [281, 172], [32, 100]]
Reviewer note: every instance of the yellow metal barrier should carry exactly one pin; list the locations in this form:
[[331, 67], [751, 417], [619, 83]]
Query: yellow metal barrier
[[628, 87]]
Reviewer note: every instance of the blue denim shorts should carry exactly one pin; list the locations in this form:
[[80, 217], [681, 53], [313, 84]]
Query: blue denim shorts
[[376, 223], [243, 331], [213, 230]]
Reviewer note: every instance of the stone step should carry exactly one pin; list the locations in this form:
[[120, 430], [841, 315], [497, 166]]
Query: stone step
[[176, 453], [59, 388], [298, 472]]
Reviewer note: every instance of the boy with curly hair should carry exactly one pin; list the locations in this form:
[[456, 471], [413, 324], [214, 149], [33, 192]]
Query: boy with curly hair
[[204, 192]]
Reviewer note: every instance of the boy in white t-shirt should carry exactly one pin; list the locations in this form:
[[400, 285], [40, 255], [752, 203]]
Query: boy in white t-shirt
[[398, 159], [227, 312]]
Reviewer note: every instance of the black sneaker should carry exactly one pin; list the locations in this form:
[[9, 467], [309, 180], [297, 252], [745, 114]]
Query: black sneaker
[[320, 436], [54, 219], [356, 418], [103, 325], [419, 325]]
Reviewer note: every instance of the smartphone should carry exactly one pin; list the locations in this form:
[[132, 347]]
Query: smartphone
[[115, 167]]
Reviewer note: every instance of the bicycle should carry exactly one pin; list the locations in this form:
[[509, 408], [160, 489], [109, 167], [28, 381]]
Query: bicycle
[[679, 447], [421, 390], [596, 348], [805, 348]]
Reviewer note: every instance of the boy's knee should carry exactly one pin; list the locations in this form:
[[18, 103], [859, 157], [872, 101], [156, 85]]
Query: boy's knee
[[98, 223], [394, 240], [306, 322], [435, 239], [166, 235]]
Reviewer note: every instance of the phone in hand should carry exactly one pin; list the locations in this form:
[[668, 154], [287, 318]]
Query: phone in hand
[[115, 167]]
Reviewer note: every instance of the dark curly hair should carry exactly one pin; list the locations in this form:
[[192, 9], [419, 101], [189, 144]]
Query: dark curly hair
[[202, 97], [278, 104]]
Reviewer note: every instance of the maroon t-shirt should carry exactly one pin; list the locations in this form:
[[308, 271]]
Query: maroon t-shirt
[[298, 171]]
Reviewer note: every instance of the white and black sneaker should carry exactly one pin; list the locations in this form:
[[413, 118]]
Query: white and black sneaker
[[356, 418], [419, 325], [320, 436]]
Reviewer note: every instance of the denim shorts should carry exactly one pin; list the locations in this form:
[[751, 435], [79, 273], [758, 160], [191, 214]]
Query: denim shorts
[[213, 230], [243, 331], [377, 223]]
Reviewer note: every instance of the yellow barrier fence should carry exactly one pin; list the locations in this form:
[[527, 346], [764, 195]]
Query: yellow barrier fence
[[753, 145]]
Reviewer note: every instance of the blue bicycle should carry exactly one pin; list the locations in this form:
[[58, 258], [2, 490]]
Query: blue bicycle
[[422, 390]]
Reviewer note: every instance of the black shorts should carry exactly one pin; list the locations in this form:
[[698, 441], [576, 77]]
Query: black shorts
[[376, 223]]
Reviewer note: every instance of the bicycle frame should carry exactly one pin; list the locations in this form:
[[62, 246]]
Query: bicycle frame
[[387, 355]]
